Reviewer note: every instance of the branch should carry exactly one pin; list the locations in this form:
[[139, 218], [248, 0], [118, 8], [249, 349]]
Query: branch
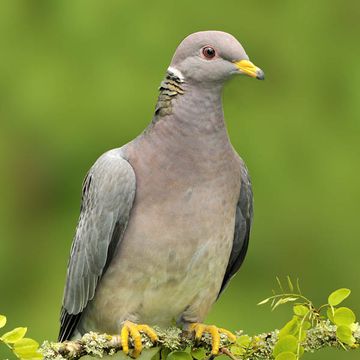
[[256, 347]]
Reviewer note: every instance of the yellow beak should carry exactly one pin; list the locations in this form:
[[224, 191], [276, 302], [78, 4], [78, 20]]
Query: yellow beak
[[248, 68]]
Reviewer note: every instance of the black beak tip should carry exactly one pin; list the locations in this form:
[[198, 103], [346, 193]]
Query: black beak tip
[[260, 75]]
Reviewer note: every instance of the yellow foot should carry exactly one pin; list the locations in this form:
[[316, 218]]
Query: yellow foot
[[214, 331], [132, 330]]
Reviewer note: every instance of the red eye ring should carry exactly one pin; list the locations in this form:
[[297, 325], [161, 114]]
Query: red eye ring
[[208, 52]]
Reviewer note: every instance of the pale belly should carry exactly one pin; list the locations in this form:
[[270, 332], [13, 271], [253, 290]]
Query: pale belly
[[169, 266]]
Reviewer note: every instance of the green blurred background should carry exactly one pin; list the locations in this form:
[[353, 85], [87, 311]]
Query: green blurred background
[[80, 77]]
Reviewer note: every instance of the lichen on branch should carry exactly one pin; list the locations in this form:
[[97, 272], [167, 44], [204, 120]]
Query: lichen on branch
[[174, 340], [310, 329]]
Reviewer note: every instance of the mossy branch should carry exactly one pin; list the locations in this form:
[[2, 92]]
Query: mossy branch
[[309, 329], [173, 339]]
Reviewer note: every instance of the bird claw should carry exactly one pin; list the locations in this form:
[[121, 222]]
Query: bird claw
[[132, 330], [214, 331]]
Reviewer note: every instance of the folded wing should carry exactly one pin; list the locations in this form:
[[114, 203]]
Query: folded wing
[[107, 199]]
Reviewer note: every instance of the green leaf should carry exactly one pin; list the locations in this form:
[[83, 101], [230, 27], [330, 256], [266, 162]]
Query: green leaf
[[298, 285], [344, 334], [156, 356], [283, 301], [330, 314], [290, 328], [288, 343], [146, 354], [338, 296], [179, 355], [14, 335], [2, 321], [237, 350], [290, 284], [287, 355], [243, 340], [26, 348], [264, 301], [35, 356], [344, 316], [198, 353], [164, 352], [279, 283], [300, 310]]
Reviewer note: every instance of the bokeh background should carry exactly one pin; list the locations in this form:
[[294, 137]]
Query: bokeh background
[[80, 77]]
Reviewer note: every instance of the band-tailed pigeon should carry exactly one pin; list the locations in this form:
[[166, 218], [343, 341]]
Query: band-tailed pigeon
[[165, 219]]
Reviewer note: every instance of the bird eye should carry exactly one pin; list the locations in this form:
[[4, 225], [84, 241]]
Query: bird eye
[[208, 52]]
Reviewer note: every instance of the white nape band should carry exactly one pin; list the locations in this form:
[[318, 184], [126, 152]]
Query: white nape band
[[176, 72]]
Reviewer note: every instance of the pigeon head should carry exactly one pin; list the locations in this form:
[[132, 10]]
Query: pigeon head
[[211, 56]]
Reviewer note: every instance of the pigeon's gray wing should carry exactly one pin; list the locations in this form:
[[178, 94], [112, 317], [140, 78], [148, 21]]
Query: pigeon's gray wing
[[243, 219], [108, 195]]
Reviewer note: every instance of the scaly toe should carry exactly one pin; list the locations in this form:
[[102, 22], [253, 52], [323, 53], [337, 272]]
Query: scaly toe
[[214, 331], [132, 330], [229, 334]]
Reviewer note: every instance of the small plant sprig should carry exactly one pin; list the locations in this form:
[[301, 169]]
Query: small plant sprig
[[310, 329], [23, 348], [292, 337]]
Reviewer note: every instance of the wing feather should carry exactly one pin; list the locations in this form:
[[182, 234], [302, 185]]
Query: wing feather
[[108, 195], [243, 219]]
